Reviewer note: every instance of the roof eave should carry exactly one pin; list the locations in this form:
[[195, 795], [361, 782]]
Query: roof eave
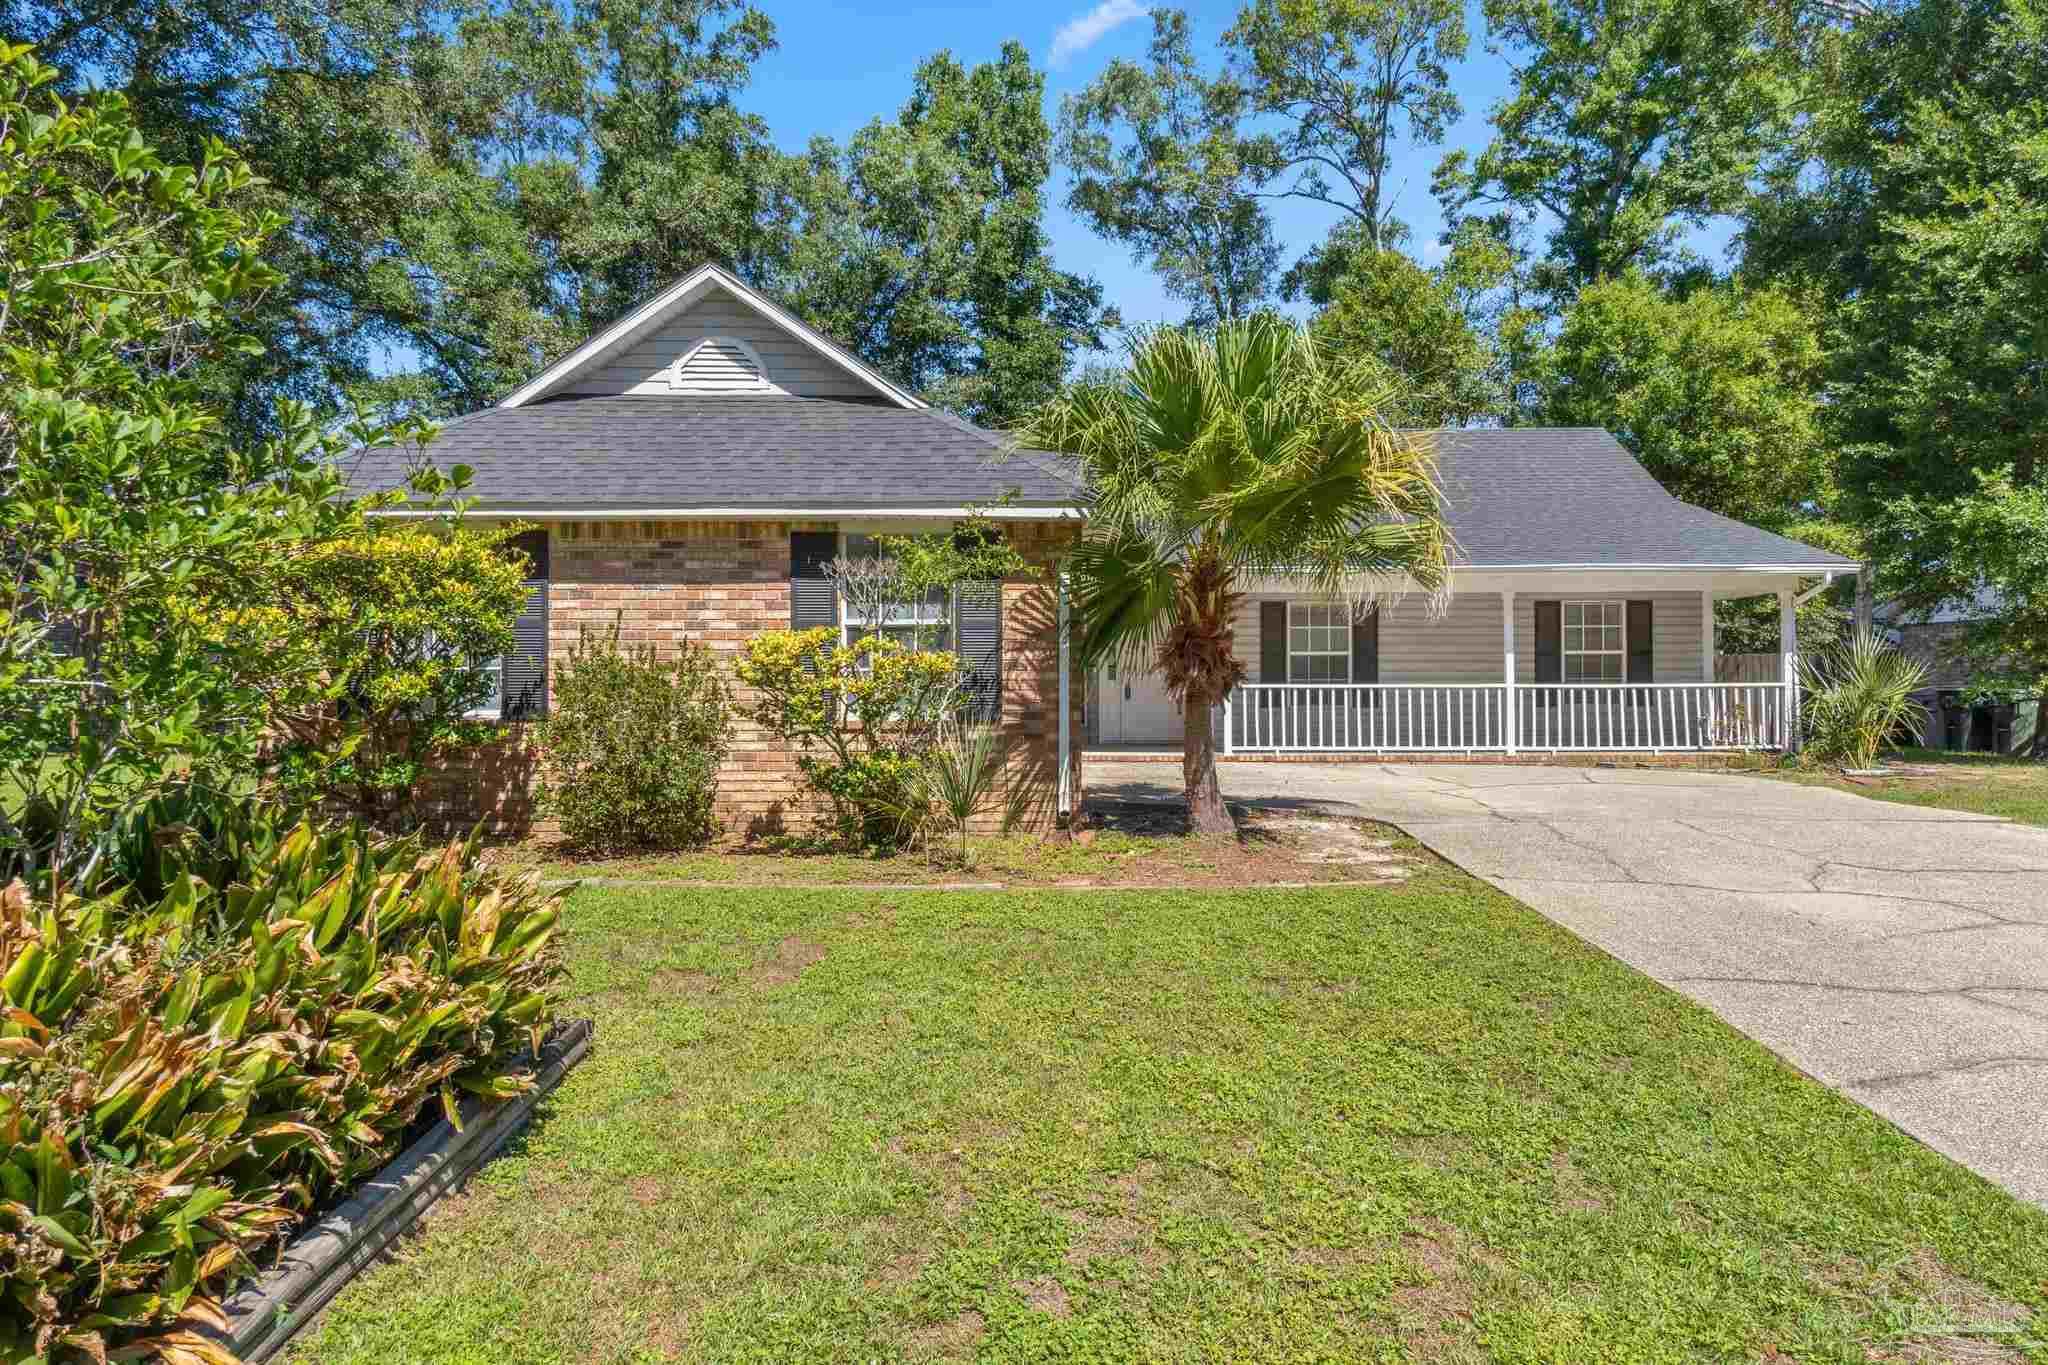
[[587, 511]]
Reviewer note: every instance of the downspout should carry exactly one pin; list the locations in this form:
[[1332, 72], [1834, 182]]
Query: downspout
[[1063, 813]]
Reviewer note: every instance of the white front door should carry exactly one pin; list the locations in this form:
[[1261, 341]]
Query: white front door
[[1136, 709]]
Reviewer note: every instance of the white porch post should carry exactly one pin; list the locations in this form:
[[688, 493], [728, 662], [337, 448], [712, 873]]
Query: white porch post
[[1507, 670], [1788, 665], [1707, 637]]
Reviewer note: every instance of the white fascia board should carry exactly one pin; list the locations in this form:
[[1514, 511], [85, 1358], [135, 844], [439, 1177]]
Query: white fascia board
[[679, 295], [743, 513], [1809, 570], [1589, 580]]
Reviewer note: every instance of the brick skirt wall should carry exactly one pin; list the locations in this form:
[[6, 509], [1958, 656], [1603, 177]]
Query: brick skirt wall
[[719, 583]]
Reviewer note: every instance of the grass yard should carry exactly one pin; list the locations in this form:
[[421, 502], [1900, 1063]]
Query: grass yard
[[2016, 789], [1414, 1122]]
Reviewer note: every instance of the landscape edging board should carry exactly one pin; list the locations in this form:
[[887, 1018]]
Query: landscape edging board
[[316, 1264]]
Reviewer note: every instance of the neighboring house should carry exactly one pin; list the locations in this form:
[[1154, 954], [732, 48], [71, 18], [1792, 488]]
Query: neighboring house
[[694, 465], [1951, 719]]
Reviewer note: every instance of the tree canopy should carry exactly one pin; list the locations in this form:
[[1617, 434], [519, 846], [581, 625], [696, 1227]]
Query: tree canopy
[[468, 189]]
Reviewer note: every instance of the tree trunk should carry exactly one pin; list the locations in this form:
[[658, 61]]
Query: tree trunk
[[1206, 812]]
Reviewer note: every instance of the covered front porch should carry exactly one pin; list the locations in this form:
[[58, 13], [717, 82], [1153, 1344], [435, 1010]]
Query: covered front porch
[[1510, 663]]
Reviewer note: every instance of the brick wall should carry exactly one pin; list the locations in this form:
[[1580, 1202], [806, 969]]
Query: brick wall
[[720, 583]]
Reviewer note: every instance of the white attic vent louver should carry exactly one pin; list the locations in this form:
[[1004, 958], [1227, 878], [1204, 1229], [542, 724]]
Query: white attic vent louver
[[719, 365]]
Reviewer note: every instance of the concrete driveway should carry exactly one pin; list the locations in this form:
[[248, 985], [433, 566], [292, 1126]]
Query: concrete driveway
[[1898, 954]]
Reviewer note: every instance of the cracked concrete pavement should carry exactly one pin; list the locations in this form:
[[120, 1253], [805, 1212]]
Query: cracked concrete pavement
[[1899, 954]]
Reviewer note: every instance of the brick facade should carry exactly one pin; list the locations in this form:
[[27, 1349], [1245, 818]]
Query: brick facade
[[720, 582]]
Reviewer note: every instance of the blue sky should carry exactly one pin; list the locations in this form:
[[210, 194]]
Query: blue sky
[[840, 65]]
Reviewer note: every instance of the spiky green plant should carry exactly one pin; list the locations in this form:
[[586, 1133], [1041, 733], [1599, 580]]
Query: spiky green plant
[[1858, 694], [182, 1081], [960, 776], [1213, 459]]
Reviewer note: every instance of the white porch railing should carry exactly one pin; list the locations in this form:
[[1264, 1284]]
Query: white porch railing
[[1461, 717]]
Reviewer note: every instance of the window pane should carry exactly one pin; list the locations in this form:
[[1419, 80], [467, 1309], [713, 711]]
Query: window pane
[[493, 671], [1610, 667]]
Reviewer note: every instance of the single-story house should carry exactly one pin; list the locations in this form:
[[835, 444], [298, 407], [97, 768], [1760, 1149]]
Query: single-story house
[[693, 465]]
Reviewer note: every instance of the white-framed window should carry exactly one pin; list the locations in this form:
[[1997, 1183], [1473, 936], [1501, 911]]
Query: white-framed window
[[921, 623], [1318, 642], [1595, 641], [492, 706]]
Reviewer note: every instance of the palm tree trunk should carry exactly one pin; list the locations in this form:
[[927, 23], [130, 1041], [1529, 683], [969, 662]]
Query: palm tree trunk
[[1206, 812]]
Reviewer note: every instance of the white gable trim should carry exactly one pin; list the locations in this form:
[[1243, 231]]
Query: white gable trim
[[678, 296]]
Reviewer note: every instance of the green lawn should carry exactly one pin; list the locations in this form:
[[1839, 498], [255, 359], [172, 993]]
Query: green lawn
[[1406, 1123], [2016, 789]]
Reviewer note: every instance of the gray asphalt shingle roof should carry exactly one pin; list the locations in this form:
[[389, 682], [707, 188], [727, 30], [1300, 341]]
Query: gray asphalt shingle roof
[[1522, 496], [682, 452], [1576, 496]]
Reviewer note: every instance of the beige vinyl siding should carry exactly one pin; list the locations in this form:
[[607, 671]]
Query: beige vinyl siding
[[1674, 625], [794, 367], [1464, 644], [1460, 646]]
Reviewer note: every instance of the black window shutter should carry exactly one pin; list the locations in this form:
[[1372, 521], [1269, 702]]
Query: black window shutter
[[812, 599], [1549, 642], [1365, 648], [525, 677], [978, 631], [1272, 642], [1642, 664]]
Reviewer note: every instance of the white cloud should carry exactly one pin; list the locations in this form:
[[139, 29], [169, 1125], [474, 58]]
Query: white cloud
[[1083, 31], [1434, 250]]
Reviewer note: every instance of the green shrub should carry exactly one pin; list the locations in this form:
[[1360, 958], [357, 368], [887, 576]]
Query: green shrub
[[402, 614], [181, 1081], [1858, 695], [958, 779], [631, 753], [861, 718]]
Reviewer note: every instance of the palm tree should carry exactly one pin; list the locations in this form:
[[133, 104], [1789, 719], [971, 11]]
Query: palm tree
[[1216, 458]]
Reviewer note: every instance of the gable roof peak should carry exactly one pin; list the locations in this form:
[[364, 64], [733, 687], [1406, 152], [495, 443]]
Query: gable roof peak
[[684, 292]]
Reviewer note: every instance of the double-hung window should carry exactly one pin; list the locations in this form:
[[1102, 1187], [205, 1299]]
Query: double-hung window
[[1318, 642], [1595, 644], [924, 622]]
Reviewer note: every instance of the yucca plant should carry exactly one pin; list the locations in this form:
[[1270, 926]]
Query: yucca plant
[[181, 1082], [959, 776], [1858, 694]]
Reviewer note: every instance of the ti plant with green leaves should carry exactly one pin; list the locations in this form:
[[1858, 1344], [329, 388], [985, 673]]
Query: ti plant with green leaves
[[1217, 459], [182, 1081]]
